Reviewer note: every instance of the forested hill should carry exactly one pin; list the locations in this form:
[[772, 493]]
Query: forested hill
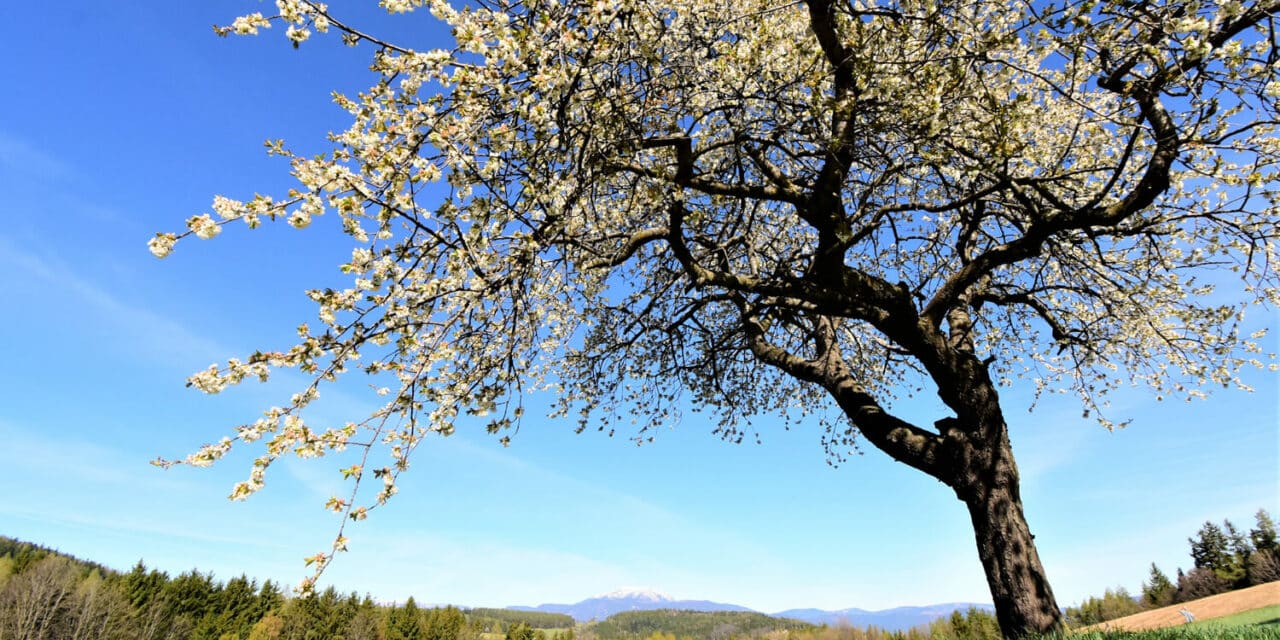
[[711, 625], [16, 555], [535, 619], [51, 595], [81, 600]]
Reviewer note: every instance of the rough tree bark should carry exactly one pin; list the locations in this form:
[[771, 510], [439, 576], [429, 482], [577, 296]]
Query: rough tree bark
[[976, 460], [985, 477], [1019, 587], [987, 482]]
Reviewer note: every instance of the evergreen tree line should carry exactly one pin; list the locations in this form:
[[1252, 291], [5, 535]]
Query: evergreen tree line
[[46, 595], [703, 625], [974, 624], [503, 619], [1223, 559]]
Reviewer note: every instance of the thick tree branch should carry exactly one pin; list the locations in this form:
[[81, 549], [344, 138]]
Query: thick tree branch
[[632, 245], [845, 292], [686, 177], [902, 440], [826, 206]]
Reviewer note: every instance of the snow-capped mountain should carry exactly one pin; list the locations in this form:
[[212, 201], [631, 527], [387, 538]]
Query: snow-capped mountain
[[603, 606], [632, 593]]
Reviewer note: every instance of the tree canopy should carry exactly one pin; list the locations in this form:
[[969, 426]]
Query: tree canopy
[[803, 208]]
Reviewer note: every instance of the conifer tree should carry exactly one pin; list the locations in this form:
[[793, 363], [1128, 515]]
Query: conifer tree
[[445, 623], [1158, 590], [405, 622], [1210, 547], [520, 631], [270, 598], [1263, 534], [367, 623]]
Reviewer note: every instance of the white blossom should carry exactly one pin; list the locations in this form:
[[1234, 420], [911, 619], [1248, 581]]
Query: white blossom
[[162, 244]]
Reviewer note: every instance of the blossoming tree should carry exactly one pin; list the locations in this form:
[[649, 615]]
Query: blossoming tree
[[769, 207]]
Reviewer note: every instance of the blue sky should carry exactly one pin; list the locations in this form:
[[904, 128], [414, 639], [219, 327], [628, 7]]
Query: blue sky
[[123, 119]]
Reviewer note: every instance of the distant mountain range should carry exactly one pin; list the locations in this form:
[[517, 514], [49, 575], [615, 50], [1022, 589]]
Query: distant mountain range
[[896, 619], [900, 618], [603, 606]]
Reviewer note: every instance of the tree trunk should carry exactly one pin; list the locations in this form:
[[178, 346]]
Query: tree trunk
[[969, 452], [988, 485]]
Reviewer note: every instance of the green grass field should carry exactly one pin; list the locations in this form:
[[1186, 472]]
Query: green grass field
[[1258, 624], [1190, 632], [1265, 617]]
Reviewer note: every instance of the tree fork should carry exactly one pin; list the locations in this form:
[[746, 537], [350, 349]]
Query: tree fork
[[974, 458]]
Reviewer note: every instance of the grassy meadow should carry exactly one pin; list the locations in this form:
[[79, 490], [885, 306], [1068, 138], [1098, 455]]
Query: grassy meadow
[[1188, 632], [1265, 617], [1257, 624]]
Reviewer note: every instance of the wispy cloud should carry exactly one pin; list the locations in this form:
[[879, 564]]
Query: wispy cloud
[[146, 332], [26, 455], [1053, 442], [93, 485], [475, 572], [147, 528], [614, 503], [26, 158]]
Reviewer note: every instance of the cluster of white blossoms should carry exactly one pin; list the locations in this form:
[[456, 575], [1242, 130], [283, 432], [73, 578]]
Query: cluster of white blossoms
[[248, 25], [162, 244], [643, 205], [203, 226]]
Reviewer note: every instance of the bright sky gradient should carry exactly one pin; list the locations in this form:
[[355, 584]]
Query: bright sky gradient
[[122, 119]]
